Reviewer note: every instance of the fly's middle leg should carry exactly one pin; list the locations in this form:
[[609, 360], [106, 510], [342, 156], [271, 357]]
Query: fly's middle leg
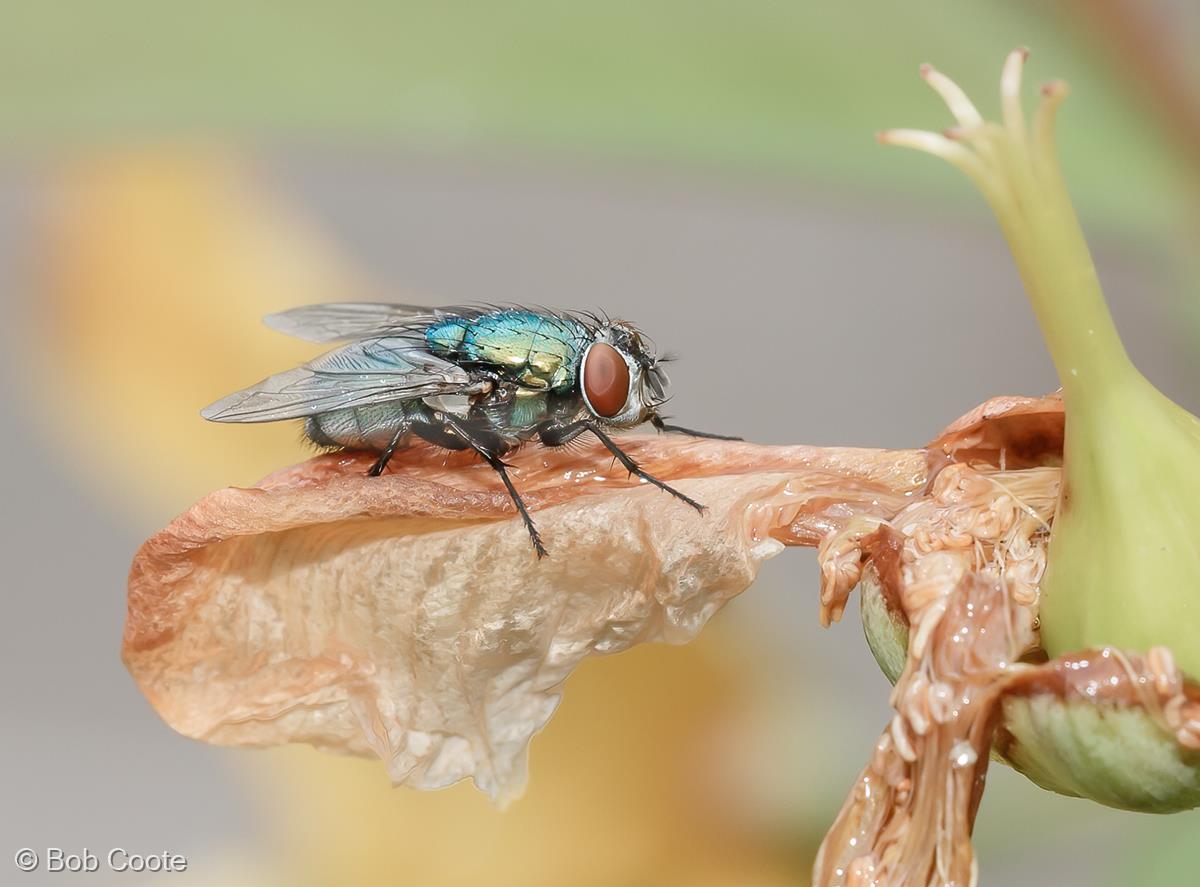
[[440, 435], [457, 434]]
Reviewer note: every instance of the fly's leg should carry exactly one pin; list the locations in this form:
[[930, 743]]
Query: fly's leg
[[552, 434], [439, 436], [386, 455], [663, 426], [632, 467], [556, 435], [456, 435], [534, 536]]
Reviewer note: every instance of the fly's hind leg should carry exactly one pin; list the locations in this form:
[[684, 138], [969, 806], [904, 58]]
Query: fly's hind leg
[[389, 450], [455, 434], [554, 435]]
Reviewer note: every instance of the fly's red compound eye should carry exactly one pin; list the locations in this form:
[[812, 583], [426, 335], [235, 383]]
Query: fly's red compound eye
[[605, 380]]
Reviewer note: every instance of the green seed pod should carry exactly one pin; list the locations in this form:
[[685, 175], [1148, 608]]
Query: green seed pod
[[886, 627], [1077, 726], [1124, 564], [1080, 726]]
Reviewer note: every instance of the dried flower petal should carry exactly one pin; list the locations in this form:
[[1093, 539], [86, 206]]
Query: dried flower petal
[[1008, 432], [943, 562], [406, 616]]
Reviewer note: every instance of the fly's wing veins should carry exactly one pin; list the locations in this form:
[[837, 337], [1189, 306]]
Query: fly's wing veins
[[341, 321], [377, 370]]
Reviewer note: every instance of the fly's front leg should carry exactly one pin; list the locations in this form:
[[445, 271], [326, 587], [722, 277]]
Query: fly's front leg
[[632, 467], [553, 434], [679, 429], [556, 435], [491, 449]]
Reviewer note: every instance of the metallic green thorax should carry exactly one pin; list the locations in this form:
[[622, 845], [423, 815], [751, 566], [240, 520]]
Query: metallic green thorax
[[535, 351]]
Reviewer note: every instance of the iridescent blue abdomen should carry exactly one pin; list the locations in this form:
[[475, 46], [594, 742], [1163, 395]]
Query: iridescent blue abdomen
[[533, 350]]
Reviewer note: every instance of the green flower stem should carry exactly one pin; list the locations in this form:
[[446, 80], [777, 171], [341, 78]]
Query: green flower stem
[[1056, 267], [1124, 559]]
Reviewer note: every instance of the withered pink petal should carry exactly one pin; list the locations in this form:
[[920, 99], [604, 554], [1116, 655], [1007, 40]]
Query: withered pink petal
[[407, 617], [1021, 431]]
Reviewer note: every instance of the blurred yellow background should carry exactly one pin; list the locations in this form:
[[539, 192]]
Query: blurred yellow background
[[707, 169]]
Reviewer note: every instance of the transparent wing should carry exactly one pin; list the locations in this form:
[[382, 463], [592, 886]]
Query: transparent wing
[[376, 370], [338, 321]]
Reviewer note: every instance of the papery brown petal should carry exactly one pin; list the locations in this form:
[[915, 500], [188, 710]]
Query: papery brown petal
[[1018, 432], [406, 616], [948, 565]]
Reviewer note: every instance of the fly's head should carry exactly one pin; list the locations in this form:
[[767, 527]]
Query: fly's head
[[620, 378]]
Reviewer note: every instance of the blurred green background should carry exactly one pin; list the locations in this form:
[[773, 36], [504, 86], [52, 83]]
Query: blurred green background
[[170, 171], [765, 86]]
